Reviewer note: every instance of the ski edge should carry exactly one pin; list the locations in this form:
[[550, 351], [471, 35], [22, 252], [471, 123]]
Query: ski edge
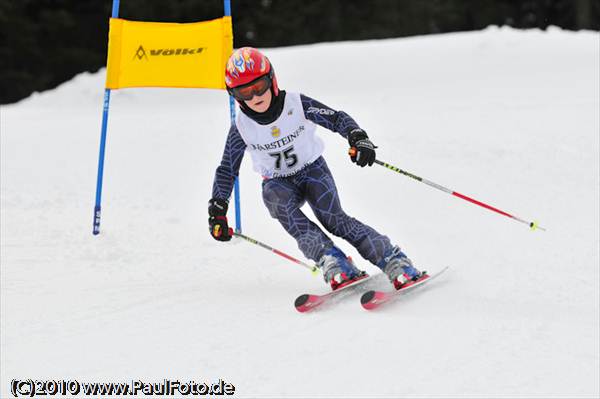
[[307, 302], [374, 298]]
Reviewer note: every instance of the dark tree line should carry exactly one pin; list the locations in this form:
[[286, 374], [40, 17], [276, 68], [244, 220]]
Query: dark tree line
[[46, 42]]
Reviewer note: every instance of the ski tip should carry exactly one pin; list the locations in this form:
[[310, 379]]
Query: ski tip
[[301, 300], [367, 297]]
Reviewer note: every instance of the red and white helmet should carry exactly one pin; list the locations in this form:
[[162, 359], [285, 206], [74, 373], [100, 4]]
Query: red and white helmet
[[246, 65]]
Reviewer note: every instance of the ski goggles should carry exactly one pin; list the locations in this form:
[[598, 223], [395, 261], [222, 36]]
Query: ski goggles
[[257, 87]]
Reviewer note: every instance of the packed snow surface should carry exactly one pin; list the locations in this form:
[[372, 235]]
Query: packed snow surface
[[508, 117]]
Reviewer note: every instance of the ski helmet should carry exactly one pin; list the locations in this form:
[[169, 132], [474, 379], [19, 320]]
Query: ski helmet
[[246, 65]]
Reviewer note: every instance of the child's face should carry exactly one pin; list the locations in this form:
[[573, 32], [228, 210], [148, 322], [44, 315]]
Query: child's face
[[260, 103]]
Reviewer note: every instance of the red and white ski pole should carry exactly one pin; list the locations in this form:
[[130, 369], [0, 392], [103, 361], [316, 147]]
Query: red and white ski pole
[[314, 269], [533, 224]]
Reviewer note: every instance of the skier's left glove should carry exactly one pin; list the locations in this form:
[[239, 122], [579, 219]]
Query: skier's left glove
[[362, 150], [217, 220]]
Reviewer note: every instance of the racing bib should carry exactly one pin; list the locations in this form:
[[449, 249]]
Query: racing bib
[[283, 147]]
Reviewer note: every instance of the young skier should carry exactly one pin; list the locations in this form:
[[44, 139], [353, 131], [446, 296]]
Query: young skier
[[278, 130]]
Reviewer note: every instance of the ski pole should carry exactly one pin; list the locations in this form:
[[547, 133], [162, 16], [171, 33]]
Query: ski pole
[[533, 225], [314, 269]]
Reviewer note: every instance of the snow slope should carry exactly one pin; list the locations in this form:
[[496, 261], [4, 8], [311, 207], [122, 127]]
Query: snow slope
[[508, 117]]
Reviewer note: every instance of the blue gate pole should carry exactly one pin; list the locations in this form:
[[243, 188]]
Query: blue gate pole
[[236, 184], [106, 104]]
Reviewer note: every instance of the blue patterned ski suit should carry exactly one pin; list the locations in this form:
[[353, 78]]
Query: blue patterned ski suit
[[283, 196]]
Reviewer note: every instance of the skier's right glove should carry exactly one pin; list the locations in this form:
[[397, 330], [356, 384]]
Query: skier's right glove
[[217, 220]]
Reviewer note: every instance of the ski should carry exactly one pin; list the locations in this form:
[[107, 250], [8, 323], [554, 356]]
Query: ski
[[307, 302], [373, 299]]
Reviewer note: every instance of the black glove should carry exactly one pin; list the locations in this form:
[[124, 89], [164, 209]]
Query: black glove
[[362, 150], [217, 221]]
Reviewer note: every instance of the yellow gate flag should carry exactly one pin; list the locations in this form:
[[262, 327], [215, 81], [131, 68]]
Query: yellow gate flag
[[158, 54]]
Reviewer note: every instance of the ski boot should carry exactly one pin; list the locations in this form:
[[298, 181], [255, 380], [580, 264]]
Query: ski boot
[[400, 269], [339, 270]]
